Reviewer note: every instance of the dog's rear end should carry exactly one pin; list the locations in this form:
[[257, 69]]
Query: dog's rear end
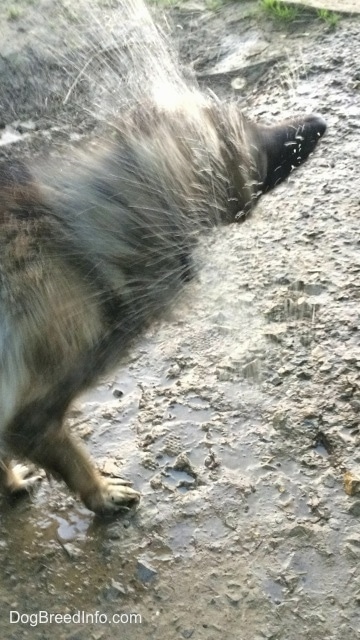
[[90, 257]]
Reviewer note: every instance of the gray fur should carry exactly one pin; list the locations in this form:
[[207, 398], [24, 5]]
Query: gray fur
[[95, 248]]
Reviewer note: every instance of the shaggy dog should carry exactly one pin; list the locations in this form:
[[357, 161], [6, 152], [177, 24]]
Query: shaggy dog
[[94, 250]]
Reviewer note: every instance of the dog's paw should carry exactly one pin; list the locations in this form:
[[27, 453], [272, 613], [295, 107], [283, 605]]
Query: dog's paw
[[22, 479], [113, 495]]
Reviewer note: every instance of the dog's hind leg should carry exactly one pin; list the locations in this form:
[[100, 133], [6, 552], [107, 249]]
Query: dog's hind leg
[[50, 446], [59, 453]]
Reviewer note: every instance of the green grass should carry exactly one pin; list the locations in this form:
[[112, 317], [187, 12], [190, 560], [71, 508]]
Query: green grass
[[330, 17], [14, 13], [287, 13], [279, 10]]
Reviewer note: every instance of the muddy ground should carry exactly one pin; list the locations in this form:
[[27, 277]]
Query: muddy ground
[[238, 419]]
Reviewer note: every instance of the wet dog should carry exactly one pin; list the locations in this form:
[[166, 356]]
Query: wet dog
[[94, 250]]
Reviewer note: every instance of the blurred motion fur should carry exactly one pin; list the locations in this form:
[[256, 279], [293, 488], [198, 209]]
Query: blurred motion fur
[[94, 248]]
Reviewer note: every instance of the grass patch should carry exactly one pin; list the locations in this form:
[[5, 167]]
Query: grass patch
[[14, 13], [330, 17], [279, 10]]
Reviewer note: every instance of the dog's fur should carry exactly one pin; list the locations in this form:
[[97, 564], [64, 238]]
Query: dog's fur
[[91, 252]]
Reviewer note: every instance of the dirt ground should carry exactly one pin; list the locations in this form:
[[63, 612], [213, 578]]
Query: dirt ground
[[238, 419]]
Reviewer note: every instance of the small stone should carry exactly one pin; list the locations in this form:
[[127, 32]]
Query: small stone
[[156, 482], [275, 333], [317, 352], [279, 420], [349, 357], [182, 463], [212, 461], [113, 591], [355, 404], [353, 550], [326, 367], [354, 509], [231, 522], [328, 479], [72, 551], [234, 599], [299, 530], [285, 371], [304, 374], [145, 572], [118, 588], [187, 633], [117, 393], [282, 279], [351, 483], [354, 539], [110, 468], [174, 371]]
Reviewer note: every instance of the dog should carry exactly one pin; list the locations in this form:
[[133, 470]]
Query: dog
[[94, 249]]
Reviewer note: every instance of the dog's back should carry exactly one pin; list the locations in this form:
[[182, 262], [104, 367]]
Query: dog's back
[[91, 253]]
